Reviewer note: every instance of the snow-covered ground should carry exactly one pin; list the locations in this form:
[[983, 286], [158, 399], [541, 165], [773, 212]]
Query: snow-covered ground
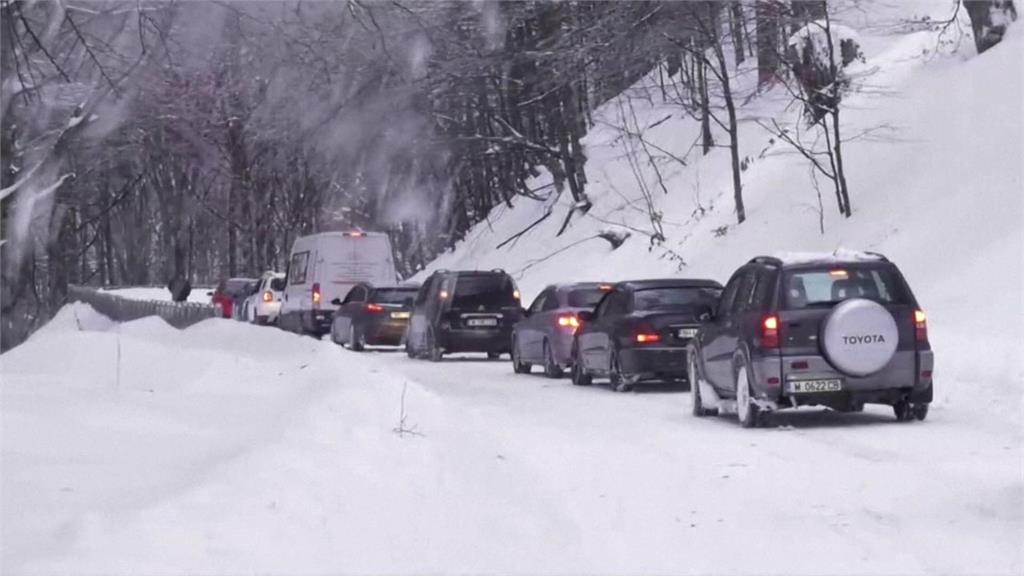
[[228, 448], [199, 295]]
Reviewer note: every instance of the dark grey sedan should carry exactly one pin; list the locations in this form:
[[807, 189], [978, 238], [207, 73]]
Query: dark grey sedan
[[545, 335]]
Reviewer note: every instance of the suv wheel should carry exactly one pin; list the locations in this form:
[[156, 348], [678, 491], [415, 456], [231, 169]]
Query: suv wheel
[[434, 352], [903, 410], [920, 411], [579, 375], [698, 402], [747, 411], [619, 382], [551, 368], [517, 366], [356, 341]]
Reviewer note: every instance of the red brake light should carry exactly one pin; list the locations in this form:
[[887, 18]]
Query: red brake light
[[354, 234], [374, 308], [268, 296], [770, 332], [569, 321], [515, 294], [604, 287], [920, 326], [316, 294], [647, 338], [443, 295]]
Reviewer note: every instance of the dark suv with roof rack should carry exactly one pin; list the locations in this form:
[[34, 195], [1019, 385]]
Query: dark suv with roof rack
[[463, 311], [838, 330]]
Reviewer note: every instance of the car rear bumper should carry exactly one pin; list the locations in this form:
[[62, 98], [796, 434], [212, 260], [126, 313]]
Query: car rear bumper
[[318, 321], [908, 375], [477, 340], [268, 310], [662, 363], [388, 332]]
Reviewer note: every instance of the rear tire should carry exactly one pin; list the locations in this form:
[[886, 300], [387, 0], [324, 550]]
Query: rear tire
[[579, 374], [551, 368], [356, 341], [517, 366], [619, 382], [903, 411], [697, 401], [747, 411], [920, 411], [434, 352]]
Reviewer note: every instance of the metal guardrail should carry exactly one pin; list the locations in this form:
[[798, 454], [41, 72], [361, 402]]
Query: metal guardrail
[[121, 309]]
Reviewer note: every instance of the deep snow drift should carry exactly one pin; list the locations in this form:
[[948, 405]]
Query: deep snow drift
[[228, 448]]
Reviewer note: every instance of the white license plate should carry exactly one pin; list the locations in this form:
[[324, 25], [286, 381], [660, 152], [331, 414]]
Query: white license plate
[[482, 322], [400, 315], [686, 332], [807, 386]]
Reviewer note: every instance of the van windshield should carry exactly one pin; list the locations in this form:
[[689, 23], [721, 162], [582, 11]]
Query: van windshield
[[488, 290], [393, 295], [829, 286]]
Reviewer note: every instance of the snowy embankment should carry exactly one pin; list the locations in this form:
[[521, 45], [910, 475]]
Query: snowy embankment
[[227, 448]]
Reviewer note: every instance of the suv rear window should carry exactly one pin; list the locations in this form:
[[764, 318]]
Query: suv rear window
[[655, 298], [829, 286], [240, 287], [585, 297], [393, 295], [277, 284], [484, 290]]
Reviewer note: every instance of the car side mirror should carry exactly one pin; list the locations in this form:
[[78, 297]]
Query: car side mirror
[[525, 312], [585, 316], [336, 301], [209, 293]]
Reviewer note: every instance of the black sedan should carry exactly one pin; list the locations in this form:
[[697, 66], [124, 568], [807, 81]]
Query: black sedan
[[372, 316], [639, 331]]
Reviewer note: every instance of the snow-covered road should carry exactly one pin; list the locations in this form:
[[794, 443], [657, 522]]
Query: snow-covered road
[[228, 448]]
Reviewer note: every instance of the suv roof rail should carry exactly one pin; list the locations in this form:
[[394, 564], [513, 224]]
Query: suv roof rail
[[877, 255], [766, 260]]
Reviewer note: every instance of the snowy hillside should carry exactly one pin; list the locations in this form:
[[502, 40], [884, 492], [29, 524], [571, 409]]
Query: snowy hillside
[[935, 184]]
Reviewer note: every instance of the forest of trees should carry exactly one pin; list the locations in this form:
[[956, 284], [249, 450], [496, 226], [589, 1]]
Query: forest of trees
[[145, 141]]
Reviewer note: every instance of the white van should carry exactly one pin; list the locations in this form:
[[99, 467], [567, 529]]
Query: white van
[[326, 266]]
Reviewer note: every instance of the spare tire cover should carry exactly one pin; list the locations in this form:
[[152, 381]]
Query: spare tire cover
[[859, 337]]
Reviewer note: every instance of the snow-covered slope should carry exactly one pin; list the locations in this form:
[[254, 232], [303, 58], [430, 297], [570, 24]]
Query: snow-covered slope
[[935, 182]]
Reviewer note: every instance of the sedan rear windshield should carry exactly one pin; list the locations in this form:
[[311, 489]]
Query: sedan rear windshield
[[484, 290], [393, 295], [585, 297], [657, 298], [827, 287]]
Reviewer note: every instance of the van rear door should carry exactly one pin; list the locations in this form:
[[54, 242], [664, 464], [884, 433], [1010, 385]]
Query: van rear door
[[350, 259]]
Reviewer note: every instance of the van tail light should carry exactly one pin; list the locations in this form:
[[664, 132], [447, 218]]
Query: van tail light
[[770, 332], [515, 294], [316, 295], [268, 296], [920, 327], [569, 321], [374, 308], [442, 295]]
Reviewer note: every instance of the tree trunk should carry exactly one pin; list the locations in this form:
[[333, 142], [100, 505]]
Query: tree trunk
[[736, 30], [767, 14]]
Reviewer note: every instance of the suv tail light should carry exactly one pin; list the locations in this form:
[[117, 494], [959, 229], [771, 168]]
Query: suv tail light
[[569, 321], [770, 332], [920, 327], [374, 308], [268, 296], [316, 295]]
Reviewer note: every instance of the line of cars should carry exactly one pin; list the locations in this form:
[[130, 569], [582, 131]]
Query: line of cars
[[839, 330]]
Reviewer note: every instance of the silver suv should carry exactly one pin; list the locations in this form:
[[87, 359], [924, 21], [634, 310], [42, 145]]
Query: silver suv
[[839, 330]]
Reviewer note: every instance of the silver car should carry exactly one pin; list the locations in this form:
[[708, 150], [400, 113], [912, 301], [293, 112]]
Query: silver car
[[545, 335], [836, 330]]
